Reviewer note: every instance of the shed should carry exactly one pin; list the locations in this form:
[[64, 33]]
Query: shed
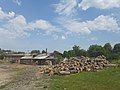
[[45, 59], [27, 59], [14, 58]]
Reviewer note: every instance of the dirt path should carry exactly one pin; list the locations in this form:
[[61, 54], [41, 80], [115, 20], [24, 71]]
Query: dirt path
[[23, 79], [5, 75]]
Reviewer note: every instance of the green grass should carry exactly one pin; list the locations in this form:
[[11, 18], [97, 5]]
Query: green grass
[[107, 79], [4, 62], [116, 62]]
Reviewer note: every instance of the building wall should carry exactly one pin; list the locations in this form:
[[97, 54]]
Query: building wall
[[45, 61], [26, 61], [13, 59]]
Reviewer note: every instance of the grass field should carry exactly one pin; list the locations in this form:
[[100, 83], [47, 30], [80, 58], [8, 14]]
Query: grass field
[[107, 79]]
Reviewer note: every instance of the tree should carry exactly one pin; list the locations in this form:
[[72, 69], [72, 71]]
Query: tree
[[114, 56], [96, 50], [108, 50], [83, 52], [116, 52], [108, 47], [35, 51], [76, 50], [71, 53], [65, 53], [43, 51], [116, 48], [58, 55], [2, 55], [20, 52]]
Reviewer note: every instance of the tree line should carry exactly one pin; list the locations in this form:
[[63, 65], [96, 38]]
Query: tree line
[[107, 50]]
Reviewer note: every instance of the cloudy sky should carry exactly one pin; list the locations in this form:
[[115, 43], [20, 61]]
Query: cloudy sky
[[58, 24]]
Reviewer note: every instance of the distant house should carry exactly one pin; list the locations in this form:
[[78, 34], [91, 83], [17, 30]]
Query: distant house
[[31, 59], [14, 58], [27, 59], [44, 59], [41, 59]]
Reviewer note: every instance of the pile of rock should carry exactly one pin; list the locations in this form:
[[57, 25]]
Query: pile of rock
[[75, 65]]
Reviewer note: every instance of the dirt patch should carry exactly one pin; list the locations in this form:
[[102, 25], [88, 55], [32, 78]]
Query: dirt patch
[[5, 75], [23, 77]]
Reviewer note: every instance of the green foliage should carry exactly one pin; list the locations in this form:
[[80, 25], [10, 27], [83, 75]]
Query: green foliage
[[116, 62], [43, 51], [108, 47], [65, 54], [2, 55], [69, 54], [59, 58], [58, 55], [75, 52], [20, 52], [116, 48], [114, 56], [96, 50], [35, 51], [83, 52], [76, 49]]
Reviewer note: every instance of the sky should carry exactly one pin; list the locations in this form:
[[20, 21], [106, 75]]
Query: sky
[[58, 24]]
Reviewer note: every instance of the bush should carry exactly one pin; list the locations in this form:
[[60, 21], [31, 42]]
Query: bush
[[2, 56]]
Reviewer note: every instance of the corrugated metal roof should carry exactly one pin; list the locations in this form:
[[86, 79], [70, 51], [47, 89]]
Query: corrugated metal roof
[[15, 55], [40, 57], [27, 57]]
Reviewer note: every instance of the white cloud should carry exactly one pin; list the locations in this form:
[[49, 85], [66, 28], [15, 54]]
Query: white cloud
[[76, 26], [93, 39], [101, 4], [41, 24], [63, 37], [17, 26], [11, 14], [66, 7], [102, 22], [69, 7], [18, 2], [13, 26], [4, 15]]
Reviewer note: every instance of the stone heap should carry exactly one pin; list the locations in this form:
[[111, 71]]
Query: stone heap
[[75, 65]]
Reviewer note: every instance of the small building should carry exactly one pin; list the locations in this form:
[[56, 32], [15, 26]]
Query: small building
[[45, 59], [14, 58], [31, 59], [27, 59], [41, 59]]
